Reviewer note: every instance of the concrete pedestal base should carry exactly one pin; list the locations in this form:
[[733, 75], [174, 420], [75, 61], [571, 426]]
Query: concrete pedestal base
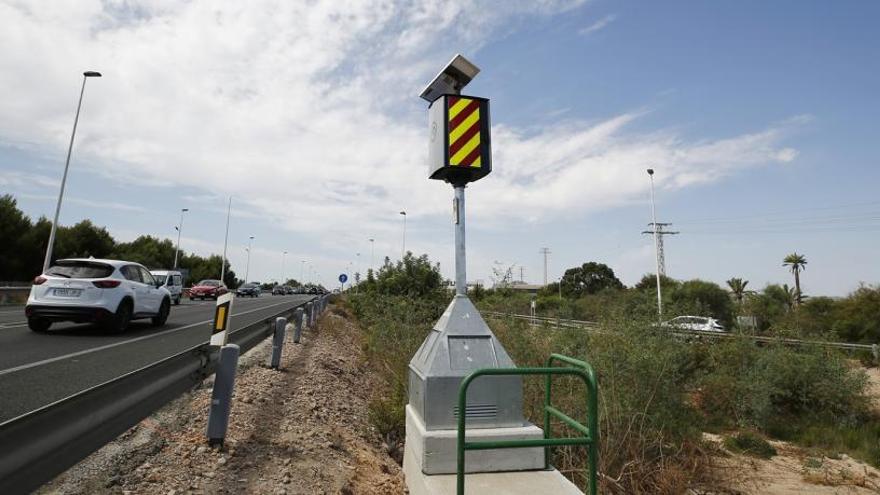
[[434, 450], [506, 483]]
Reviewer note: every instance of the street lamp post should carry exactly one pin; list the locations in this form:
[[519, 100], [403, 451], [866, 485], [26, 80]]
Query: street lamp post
[[302, 265], [283, 261], [179, 231], [403, 253], [372, 242], [247, 270], [656, 245], [51, 244], [225, 242]]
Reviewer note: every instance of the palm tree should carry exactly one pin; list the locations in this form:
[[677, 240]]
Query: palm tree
[[796, 262], [738, 288], [791, 296]]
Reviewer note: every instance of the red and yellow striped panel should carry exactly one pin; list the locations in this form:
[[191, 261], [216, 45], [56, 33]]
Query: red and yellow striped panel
[[464, 132]]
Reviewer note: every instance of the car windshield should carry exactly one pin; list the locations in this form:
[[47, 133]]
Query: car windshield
[[210, 283], [80, 269], [160, 278], [251, 285]]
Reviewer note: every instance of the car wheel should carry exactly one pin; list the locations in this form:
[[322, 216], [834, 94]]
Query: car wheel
[[118, 323], [39, 325], [162, 317], [177, 301]]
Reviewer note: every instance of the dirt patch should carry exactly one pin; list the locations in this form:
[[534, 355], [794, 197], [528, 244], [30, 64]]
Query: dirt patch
[[301, 430], [794, 471]]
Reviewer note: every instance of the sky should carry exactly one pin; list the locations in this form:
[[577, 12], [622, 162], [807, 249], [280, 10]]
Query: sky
[[759, 119]]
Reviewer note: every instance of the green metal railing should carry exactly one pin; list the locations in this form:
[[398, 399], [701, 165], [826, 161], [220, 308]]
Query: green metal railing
[[590, 434]]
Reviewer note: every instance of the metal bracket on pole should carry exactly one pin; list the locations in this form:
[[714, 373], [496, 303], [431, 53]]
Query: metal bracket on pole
[[278, 342], [221, 397], [297, 325]]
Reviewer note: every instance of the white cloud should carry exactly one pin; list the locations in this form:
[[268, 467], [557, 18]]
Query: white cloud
[[596, 26], [308, 111], [85, 202]]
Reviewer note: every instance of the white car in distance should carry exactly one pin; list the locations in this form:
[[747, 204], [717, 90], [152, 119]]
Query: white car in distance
[[700, 323], [110, 293]]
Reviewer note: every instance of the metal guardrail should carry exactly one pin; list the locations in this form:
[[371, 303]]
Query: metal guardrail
[[41, 444], [13, 295], [589, 435], [567, 323]]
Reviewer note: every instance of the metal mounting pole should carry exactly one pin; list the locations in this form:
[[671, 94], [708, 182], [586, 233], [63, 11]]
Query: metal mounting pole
[[460, 260]]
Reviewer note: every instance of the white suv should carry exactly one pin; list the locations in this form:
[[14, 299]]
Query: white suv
[[108, 292]]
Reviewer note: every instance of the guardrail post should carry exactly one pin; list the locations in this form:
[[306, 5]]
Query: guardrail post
[[221, 397], [297, 325], [278, 342], [875, 350], [310, 307]]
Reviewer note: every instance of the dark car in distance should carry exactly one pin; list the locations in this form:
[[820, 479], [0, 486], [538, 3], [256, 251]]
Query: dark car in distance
[[208, 289], [250, 289]]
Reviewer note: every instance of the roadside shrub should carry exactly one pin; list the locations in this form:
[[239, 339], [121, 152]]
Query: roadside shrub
[[750, 443], [648, 428], [744, 385]]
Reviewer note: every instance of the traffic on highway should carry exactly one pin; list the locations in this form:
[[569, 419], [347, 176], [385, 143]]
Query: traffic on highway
[[72, 356]]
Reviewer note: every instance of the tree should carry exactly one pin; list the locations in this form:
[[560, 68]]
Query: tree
[[796, 263], [413, 277], [82, 240], [699, 297], [857, 316], [649, 282], [738, 288], [14, 226], [782, 294], [589, 278]]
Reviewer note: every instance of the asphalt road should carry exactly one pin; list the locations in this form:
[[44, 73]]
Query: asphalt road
[[38, 369]]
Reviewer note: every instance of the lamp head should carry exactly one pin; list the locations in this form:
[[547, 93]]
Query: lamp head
[[91, 73], [650, 171]]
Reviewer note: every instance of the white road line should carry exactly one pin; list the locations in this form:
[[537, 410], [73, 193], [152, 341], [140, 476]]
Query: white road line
[[117, 344], [14, 324]]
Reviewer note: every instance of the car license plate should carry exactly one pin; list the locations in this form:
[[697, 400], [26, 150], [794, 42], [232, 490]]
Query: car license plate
[[68, 292]]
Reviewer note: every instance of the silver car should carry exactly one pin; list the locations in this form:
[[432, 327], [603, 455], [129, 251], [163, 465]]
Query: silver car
[[700, 323]]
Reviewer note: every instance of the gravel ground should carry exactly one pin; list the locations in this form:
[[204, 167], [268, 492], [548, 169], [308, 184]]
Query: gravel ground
[[301, 430]]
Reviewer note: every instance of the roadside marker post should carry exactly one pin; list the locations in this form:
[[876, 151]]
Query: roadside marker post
[[278, 342], [310, 311], [220, 328], [221, 397], [297, 325]]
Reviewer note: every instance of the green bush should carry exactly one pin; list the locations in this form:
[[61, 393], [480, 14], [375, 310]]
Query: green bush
[[746, 385], [750, 443]]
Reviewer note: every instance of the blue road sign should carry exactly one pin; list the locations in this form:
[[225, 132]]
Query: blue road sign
[[342, 278]]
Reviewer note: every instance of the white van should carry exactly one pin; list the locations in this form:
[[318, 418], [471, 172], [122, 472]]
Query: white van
[[171, 280]]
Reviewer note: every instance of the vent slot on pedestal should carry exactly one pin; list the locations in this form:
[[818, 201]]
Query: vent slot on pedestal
[[478, 411]]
